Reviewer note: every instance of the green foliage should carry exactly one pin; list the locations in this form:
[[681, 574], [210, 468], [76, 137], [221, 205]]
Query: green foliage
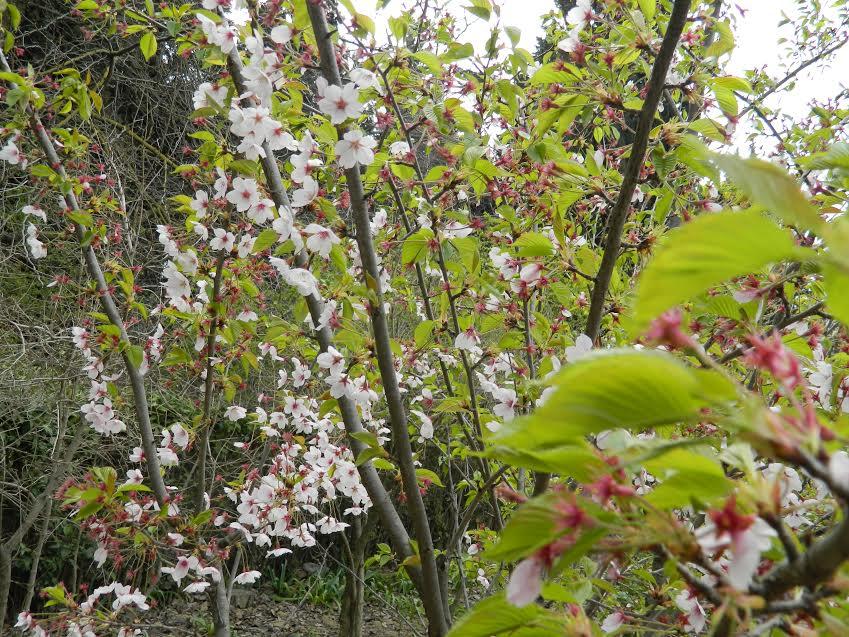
[[770, 186], [627, 389], [494, 616], [705, 253]]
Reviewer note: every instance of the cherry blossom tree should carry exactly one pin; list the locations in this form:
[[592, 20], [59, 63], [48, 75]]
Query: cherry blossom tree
[[528, 318]]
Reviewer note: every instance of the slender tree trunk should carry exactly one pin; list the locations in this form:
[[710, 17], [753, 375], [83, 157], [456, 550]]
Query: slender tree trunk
[[5, 583], [631, 168], [430, 590], [353, 601], [380, 498], [36, 557], [219, 602], [219, 598]]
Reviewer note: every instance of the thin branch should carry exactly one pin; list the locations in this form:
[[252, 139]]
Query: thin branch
[[819, 56], [811, 311], [205, 420]]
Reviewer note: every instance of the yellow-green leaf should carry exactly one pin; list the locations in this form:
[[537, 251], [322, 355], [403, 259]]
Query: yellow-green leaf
[[705, 252]]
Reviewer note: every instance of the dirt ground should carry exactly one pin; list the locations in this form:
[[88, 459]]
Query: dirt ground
[[260, 614]]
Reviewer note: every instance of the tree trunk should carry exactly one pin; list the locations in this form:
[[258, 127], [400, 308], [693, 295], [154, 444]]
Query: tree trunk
[[5, 583], [353, 601], [36, 557], [219, 603]]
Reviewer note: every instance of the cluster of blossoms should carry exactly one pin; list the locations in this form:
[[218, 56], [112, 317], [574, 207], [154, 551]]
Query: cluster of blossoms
[[300, 479], [89, 613], [98, 411], [523, 278], [37, 249], [579, 16], [174, 439]]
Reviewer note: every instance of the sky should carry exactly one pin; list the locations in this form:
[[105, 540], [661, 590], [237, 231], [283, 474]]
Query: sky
[[756, 33]]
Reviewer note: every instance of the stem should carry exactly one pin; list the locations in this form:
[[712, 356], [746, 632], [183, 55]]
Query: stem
[[813, 567], [819, 56], [208, 384]]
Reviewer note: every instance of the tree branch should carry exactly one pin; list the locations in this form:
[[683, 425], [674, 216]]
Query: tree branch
[[368, 474], [438, 624], [109, 308], [631, 171]]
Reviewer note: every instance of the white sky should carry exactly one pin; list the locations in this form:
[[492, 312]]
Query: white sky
[[756, 35]]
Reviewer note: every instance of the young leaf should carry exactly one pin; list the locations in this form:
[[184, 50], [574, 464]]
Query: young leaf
[[705, 252], [531, 527], [836, 284], [770, 186], [631, 389], [686, 475], [266, 239], [135, 355], [534, 244], [416, 246], [648, 8], [148, 45], [496, 616]]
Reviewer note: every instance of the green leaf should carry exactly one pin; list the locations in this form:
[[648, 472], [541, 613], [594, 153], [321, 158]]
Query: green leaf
[[457, 51], [551, 74], [40, 170], [534, 244], [532, 526], [514, 33], [12, 78], [423, 333], [480, 8], [14, 16], [836, 284], [724, 43], [705, 252], [88, 510], [837, 156], [770, 186], [135, 355], [573, 458], [244, 166], [648, 8], [364, 24], [81, 218], [709, 128], [133, 488], [423, 475], [686, 475], [631, 389], [726, 100], [416, 246], [432, 62], [202, 518], [148, 45], [369, 454], [732, 83], [265, 240], [496, 616], [367, 438]]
